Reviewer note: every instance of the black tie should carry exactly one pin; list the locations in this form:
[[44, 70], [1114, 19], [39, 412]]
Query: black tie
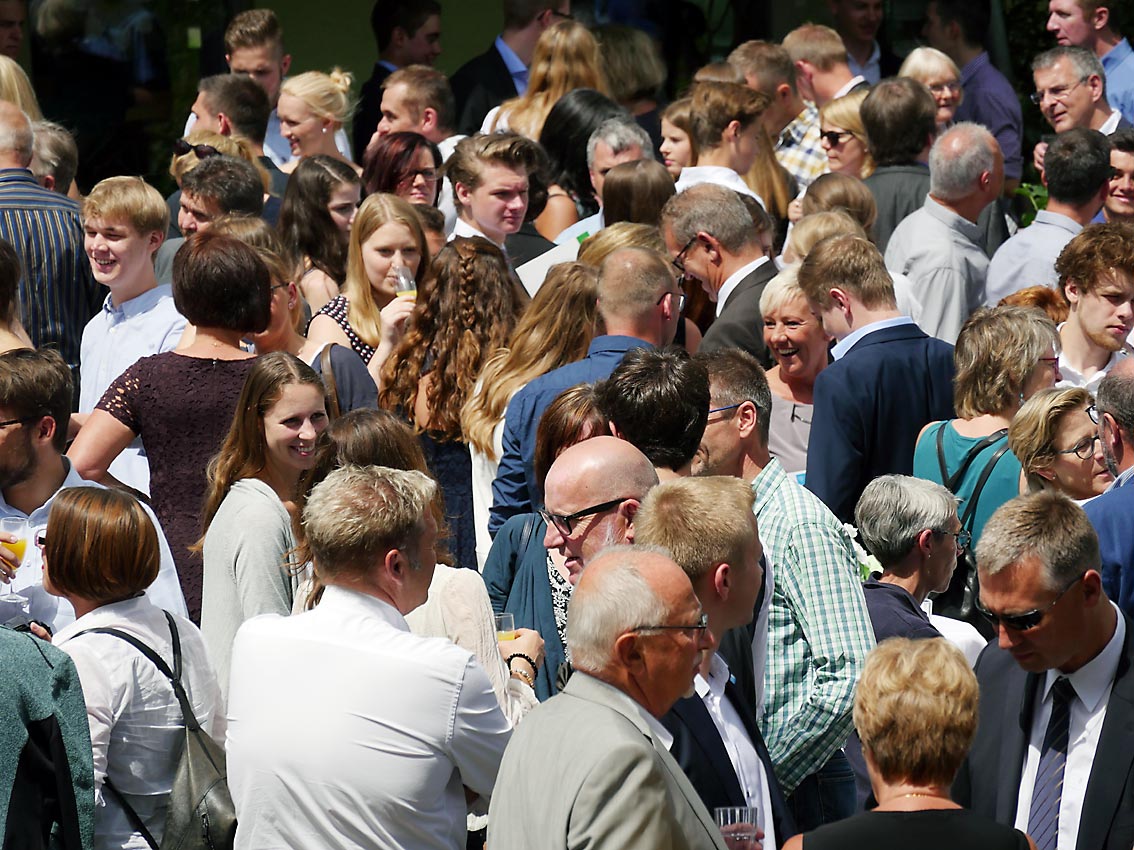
[[1043, 816]]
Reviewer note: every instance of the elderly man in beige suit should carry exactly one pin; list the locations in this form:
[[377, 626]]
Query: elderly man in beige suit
[[591, 767]]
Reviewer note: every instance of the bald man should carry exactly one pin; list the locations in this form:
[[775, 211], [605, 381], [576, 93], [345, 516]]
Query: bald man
[[58, 295], [590, 767], [591, 494]]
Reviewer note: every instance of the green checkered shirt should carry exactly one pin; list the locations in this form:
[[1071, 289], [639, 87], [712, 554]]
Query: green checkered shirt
[[819, 630]]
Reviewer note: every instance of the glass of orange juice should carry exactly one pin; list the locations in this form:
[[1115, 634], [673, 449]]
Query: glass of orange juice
[[505, 627], [18, 528]]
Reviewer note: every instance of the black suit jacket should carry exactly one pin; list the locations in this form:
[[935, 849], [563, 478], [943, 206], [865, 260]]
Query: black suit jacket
[[480, 84], [369, 111], [740, 324], [989, 780], [698, 748]]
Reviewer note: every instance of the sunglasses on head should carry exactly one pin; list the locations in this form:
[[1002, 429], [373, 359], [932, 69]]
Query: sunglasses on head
[[182, 147]]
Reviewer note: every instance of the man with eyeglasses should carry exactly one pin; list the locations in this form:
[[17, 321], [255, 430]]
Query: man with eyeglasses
[[35, 408], [1096, 277], [709, 233], [1110, 513], [1052, 752], [958, 29], [818, 627], [1071, 92], [591, 767], [1092, 24]]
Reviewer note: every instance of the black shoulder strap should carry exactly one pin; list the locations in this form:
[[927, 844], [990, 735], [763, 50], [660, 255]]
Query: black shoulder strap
[[953, 481], [970, 508], [174, 678]]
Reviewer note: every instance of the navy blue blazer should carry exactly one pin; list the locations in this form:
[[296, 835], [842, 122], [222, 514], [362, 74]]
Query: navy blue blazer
[[698, 748], [480, 84], [1111, 515], [870, 405], [989, 780], [515, 490]]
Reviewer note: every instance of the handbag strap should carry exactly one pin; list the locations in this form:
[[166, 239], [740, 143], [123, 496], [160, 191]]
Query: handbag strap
[[189, 717], [970, 508], [952, 482], [330, 385], [526, 534]]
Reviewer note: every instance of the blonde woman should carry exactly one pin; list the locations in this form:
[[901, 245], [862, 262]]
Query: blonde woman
[[369, 316], [1055, 436], [313, 107], [941, 76], [15, 87], [843, 135], [555, 330], [566, 57]]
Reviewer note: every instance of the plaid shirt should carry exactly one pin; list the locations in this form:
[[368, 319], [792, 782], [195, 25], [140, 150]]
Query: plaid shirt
[[819, 630], [798, 148]]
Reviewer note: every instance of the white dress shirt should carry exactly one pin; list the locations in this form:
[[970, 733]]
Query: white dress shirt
[[116, 338], [1072, 377], [345, 730], [136, 723], [1092, 683], [1111, 123], [56, 611], [746, 763], [839, 349], [734, 280], [695, 175]]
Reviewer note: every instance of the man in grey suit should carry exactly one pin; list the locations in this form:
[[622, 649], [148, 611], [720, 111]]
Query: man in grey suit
[[591, 767], [713, 239]]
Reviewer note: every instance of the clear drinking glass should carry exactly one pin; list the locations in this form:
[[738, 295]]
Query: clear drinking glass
[[19, 528], [505, 627], [740, 826]]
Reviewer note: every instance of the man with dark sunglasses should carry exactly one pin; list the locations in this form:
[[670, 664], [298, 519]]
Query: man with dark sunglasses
[[1052, 753]]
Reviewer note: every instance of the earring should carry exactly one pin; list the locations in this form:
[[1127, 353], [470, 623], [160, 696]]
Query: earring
[[324, 131]]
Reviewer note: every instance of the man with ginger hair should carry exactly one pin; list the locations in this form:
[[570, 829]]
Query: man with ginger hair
[[889, 380], [1096, 277], [792, 123], [822, 72]]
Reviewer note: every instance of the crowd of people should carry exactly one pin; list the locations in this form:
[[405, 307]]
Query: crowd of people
[[517, 460]]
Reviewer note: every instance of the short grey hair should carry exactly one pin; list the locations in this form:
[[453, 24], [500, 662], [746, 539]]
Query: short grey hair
[[621, 134], [54, 152], [781, 289], [1083, 61], [619, 599], [894, 509], [955, 170], [16, 136], [1116, 397], [1047, 526], [713, 209], [358, 513]]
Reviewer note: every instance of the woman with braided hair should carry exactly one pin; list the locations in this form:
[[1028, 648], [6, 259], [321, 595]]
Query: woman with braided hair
[[466, 309]]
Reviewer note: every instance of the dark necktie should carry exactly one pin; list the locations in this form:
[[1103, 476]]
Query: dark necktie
[[1043, 816]]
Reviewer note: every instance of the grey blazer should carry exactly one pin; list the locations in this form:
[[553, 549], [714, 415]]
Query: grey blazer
[[585, 770]]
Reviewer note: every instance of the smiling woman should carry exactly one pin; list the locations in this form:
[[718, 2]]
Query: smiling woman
[[253, 483]]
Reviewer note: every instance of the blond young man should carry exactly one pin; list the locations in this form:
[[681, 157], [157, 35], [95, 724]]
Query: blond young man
[[124, 223]]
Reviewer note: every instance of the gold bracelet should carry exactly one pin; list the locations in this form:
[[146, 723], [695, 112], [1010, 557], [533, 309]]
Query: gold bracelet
[[523, 677]]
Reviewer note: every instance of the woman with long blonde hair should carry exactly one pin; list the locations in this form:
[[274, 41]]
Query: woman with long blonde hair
[[370, 316], [467, 307], [555, 330], [566, 57], [313, 107]]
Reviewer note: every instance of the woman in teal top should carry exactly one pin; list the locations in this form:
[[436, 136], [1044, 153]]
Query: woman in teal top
[[1003, 356]]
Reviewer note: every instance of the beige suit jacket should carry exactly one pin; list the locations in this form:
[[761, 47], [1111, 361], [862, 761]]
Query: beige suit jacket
[[584, 769]]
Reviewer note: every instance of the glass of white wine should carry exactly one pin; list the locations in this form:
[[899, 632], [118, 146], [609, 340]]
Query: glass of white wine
[[14, 526]]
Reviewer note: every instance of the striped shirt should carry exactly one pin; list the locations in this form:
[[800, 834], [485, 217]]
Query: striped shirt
[[58, 295], [819, 629]]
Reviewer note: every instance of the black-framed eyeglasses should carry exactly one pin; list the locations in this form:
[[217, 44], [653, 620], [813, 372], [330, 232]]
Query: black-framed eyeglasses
[[964, 537], [680, 296], [834, 138], [182, 147], [429, 175], [1057, 92], [1027, 620], [23, 420], [679, 260], [563, 522], [1084, 449], [1093, 412], [700, 626], [277, 286]]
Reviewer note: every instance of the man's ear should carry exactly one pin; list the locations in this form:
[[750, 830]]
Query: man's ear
[[428, 119], [398, 36], [45, 428], [629, 655], [721, 579], [628, 510], [747, 419], [285, 63], [924, 542], [712, 247], [154, 240], [224, 125]]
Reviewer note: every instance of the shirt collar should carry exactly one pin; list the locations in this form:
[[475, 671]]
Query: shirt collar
[[355, 602], [388, 65], [138, 304], [794, 132], [463, 228], [717, 679], [952, 220], [1111, 123], [847, 343], [1092, 681], [1058, 220], [513, 63], [857, 79], [734, 280], [1116, 54], [972, 66], [1123, 479], [71, 479], [767, 482], [113, 614]]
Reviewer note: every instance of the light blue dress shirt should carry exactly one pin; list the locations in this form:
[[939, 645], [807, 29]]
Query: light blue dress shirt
[[1119, 67], [1028, 258]]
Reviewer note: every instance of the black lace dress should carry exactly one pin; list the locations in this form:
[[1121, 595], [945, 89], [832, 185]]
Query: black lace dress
[[182, 408]]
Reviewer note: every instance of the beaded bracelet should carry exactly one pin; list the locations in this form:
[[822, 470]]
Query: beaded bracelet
[[527, 658]]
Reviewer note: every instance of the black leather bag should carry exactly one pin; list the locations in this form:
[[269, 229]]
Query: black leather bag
[[201, 814]]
